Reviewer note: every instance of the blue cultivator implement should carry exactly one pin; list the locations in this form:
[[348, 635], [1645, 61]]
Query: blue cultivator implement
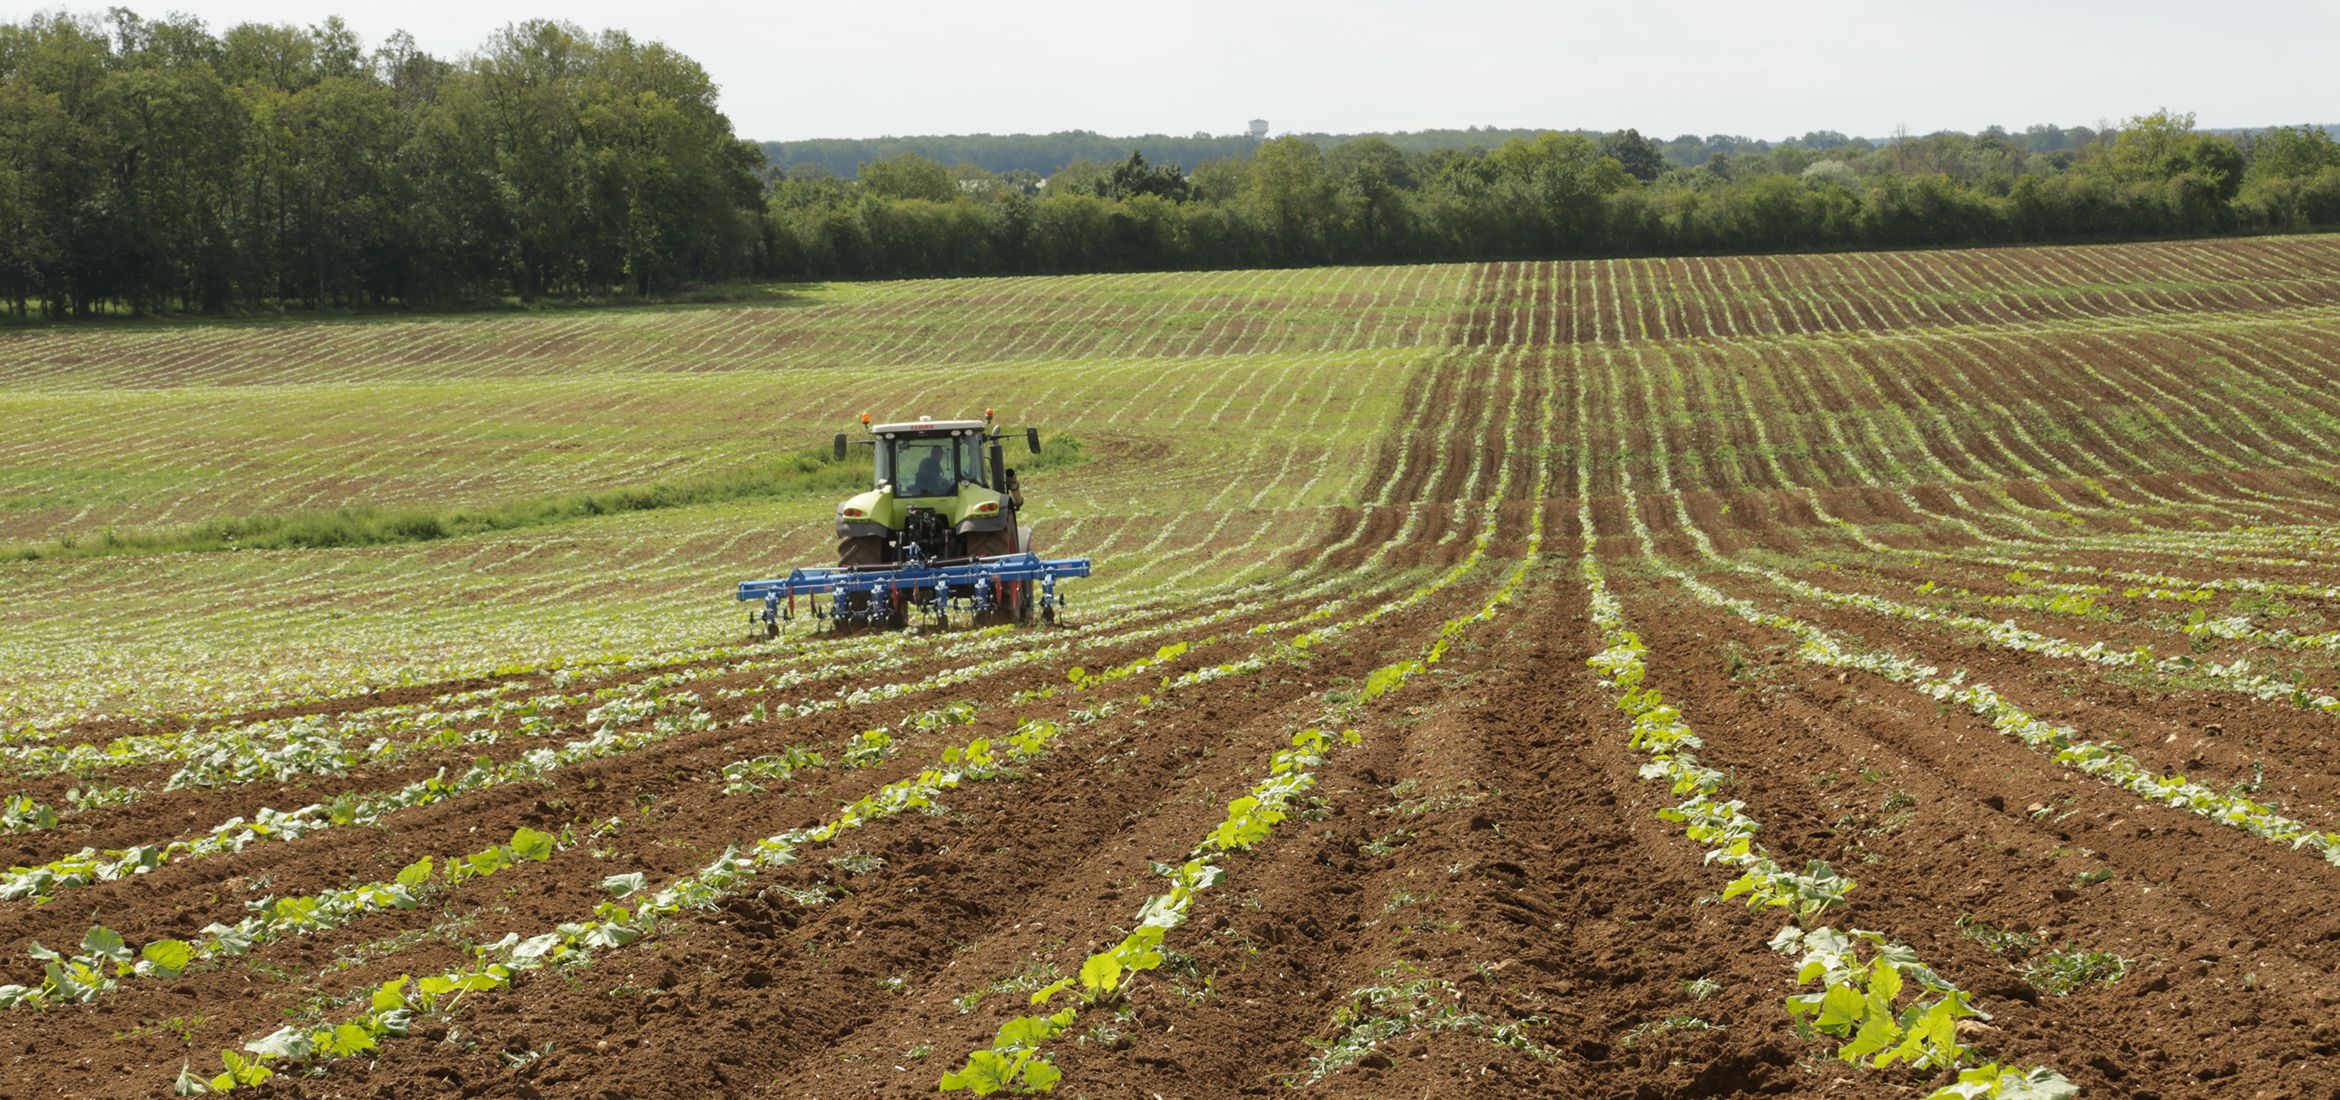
[[1006, 588]]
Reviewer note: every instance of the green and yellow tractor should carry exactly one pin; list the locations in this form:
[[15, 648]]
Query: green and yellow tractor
[[938, 533]]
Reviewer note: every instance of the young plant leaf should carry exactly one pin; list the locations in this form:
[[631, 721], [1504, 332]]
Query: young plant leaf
[[1040, 1076], [531, 844], [1101, 974], [169, 957], [626, 885], [347, 1039], [415, 873], [986, 1072], [105, 942]]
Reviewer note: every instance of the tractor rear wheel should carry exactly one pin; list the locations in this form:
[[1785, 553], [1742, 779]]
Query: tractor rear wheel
[[990, 544]]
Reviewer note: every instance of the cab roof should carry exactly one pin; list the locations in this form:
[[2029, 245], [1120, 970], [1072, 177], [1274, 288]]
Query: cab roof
[[918, 426]]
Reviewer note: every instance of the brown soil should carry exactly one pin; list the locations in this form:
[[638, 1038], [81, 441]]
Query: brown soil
[[1488, 848]]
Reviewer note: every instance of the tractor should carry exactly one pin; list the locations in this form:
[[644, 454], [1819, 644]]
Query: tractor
[[937, 534]]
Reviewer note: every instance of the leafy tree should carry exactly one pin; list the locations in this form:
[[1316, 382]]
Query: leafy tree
[[2145, 144], [280, 57], [1639, 156], [1081, 177], [908, 176], [1134, 177], [1220, 180], [1371, 178], [2288, 152], [1286, 193], [151, 164]]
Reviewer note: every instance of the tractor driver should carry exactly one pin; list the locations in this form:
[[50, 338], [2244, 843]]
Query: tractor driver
[[927, 479]]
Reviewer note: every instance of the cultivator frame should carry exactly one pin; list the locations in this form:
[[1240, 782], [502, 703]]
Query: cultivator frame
[[1008, 587]]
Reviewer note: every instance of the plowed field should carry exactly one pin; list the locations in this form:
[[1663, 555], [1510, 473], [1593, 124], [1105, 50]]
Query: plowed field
[[1895, 674]]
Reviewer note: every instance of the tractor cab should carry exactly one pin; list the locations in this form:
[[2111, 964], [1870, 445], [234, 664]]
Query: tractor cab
[[930, 458], [940, 490]]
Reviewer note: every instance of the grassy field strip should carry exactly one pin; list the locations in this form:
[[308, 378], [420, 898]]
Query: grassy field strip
[[1859, 1001], [550, 435]]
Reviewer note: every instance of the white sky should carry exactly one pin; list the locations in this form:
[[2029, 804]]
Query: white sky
[[793, 70]]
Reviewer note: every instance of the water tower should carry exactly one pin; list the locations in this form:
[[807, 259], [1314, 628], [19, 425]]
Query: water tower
[[1259, 129]]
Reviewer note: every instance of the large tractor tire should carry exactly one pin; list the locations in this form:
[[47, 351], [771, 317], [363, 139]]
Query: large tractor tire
[[989, 544]]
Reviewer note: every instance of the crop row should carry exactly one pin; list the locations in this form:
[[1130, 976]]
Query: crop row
[[1107, 317], [1925, 449], [106, 958], [2241, 679], [397, 1003], [634, 911], [85, 977], [1859, 1000], [1016, 1057], [2104, 761], [655, 714]]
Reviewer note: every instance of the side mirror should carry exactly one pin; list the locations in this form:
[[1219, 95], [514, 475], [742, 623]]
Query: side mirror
[[1032, 439], [840, 446]]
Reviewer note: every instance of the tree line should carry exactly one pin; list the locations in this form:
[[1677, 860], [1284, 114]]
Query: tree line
[[154, 166], [1042, 155], [151, 166], [1290, 201]]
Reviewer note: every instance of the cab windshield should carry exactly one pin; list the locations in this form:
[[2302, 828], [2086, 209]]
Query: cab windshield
[[924, 467]]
